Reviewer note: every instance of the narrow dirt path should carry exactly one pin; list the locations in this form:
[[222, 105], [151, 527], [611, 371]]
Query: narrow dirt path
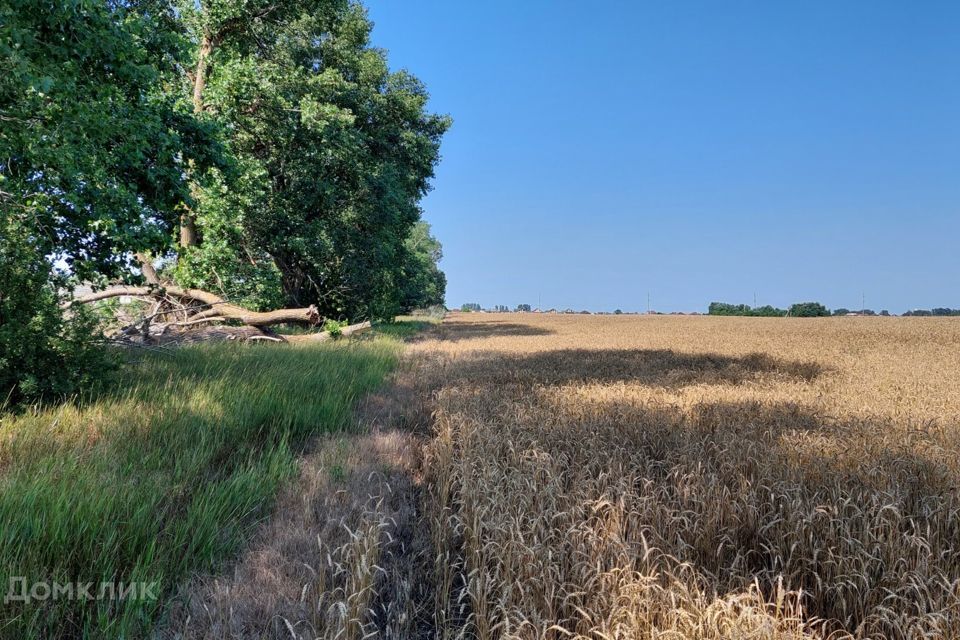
[[347, 553]]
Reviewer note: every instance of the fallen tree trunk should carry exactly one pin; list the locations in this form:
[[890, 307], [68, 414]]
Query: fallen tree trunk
[[323, 336], [251, 334], [194, 307], [217, 306]]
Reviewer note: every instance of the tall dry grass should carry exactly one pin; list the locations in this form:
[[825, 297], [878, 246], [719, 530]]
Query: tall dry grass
[[627, 477]]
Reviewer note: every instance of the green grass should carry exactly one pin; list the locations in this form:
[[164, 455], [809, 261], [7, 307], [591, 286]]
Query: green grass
[[406, 326], [165, 474]]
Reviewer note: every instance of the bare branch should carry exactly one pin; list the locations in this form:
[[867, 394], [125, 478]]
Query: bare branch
[[307, 315]]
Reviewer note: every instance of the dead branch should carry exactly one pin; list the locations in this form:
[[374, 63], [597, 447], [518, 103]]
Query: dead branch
[[323, 336], [225, 309], [189, 323], [265, 339], [183, 308]]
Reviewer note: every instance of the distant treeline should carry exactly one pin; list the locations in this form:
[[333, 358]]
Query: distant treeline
[[813, 310], [798, 310], [939, 311]]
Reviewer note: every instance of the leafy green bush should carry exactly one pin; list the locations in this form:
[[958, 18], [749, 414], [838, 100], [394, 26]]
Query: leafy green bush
[[435, 312], [334, 328], [45, 353]]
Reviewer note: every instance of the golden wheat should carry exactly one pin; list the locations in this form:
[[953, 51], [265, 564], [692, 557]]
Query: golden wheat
[[622, 477]]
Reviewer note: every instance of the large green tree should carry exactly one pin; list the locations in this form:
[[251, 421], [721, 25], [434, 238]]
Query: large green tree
[[92, 159], [92, 152], [262, 147], [423, 283], [333, 150]]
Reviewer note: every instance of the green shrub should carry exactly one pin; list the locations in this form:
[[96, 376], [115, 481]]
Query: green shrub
[[45, 353], [334, 327]]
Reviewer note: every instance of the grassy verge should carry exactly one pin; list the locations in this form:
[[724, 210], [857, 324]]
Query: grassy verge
[[406, 326], [161, 476]]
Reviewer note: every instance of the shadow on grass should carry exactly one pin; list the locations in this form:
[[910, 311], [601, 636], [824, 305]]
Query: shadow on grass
[[405, 329]]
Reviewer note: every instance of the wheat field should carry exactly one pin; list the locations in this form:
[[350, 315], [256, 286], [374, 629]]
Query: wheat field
[[532, 476], [694, 477]]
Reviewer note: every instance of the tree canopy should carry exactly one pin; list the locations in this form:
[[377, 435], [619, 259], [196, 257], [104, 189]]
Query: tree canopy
[[260, 149], [726, 309], [808, 310], [91, 150], [798, 310], [332, 152]]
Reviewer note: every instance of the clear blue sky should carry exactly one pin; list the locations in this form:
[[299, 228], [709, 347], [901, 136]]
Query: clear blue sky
[[697, 151]]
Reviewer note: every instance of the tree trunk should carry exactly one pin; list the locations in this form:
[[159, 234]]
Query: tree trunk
[[200, 77], [217, 306], [188, 230], [146, 267], [188, 225], [323, 336]]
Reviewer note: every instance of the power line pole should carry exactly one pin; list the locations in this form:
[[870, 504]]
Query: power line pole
[[648, 303]]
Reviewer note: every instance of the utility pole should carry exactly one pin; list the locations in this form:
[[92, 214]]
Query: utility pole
[[863, 301], [648, 303], [754, 299]]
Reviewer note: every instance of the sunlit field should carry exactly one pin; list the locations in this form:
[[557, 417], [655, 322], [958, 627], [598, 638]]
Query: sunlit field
[[523, 476], [695, 477], [165, 474]]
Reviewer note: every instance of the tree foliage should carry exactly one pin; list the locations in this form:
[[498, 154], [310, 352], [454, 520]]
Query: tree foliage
[[726, 309], [424, 284], [808, 310], [43, 353], [260, 148], [91, 170], [90, 148], [936, 311], [334, 151], [798, 310]]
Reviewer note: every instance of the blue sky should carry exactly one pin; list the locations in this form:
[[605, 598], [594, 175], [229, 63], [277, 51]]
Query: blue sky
[[697, 151]]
